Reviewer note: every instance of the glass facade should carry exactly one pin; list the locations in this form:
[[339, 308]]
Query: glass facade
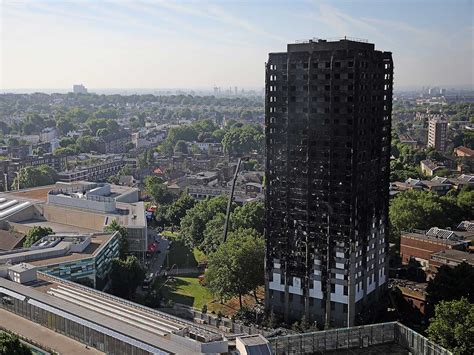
[[92, 268]]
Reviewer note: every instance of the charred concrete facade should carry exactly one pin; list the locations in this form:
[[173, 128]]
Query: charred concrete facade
[[327, 124]]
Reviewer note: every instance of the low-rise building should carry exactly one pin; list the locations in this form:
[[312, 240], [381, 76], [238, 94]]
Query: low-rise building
[[464, 152], [429, 167], [449, 257], [81, 207], [70, 256], [419, 245], [97, 172], [115, 143]]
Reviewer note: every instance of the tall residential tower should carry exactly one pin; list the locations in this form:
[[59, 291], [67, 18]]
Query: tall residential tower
[[437, 133], [327, 124]]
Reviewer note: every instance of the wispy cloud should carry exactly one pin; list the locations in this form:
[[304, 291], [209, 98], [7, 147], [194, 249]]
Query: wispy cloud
[[218, 14]]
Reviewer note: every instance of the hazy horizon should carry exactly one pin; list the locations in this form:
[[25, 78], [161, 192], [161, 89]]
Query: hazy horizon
[[190, 45]]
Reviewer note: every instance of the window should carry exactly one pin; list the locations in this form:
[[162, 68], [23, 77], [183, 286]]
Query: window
[[327, 65], [305, 65], [350, 64]]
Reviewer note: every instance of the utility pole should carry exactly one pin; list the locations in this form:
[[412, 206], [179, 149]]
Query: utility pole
[[229, 203]]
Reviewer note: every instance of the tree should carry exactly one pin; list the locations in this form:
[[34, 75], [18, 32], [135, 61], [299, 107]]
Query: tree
[[241, 141], [86, 144], [77, 115], [11, 345], [181, 147], [155, 187], [35, 176], [35, 234], [452, 283], [250, 215], [194, 222], [64, 152], [66, 141], [177, 210], [64, 125], [236, 268], [185, 133], [465, 201], [114, 226], [125, 276], [453, 326], [422, 210]]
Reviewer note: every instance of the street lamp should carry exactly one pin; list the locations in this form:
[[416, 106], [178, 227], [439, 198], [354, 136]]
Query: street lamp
[[17, 180]]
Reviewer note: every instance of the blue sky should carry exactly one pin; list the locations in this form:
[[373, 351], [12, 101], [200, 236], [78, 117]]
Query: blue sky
[[199, 44]]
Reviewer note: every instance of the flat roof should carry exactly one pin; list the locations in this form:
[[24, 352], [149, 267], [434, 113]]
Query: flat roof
[[10, 240], [58, 228], [432, 239], [36, 193], [456, 255], [74, 311], [90, 251]]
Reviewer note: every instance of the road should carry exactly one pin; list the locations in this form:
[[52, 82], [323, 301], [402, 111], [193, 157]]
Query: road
[[159, 258]]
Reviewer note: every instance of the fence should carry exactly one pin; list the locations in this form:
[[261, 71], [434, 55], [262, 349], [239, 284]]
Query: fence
[[356, 338], [417, 343], [225, 324]]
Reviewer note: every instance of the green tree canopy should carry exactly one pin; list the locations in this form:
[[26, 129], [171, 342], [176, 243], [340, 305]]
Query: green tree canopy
[[452, 283], [125, 276], [181, 147], [239, 141], [114, 226], [423, 210], [35, 234], [237, 266], [453, 326], [86, 144], [156, 188], [250, 215], [35, 176], [11, 345], [178, 209], [196, 219]]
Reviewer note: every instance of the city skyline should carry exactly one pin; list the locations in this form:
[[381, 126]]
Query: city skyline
[[160, 44]]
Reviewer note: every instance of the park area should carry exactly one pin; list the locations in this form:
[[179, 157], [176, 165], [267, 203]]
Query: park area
[[183, 286], [186, 289]]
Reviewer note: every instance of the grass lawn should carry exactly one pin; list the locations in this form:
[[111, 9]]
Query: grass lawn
[[187, 290], [199, 255]]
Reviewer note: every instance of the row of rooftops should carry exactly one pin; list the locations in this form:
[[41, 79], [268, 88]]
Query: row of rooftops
[[438, 181], [463, 234]]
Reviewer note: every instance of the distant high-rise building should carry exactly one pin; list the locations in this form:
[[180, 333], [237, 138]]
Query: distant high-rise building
[[437, 133], [327, 125], [79, 89]]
